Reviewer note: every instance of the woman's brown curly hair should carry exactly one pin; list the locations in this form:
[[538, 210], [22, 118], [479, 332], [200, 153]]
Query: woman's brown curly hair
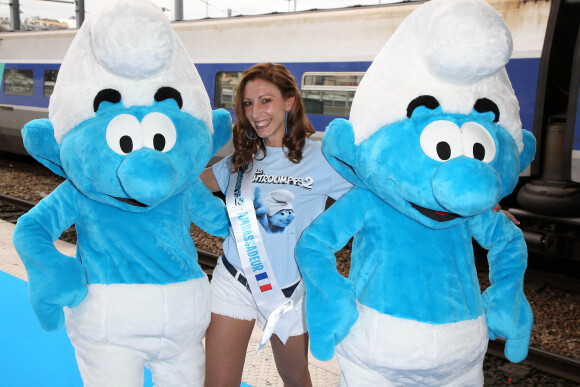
[[299, 126]]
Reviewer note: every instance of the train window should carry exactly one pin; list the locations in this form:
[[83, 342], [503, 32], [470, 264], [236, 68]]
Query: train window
[[329, 94], [49, 80], [18, 82], [226, 83]]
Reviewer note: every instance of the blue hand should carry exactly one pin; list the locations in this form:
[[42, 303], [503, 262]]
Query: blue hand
[[329, 316], [51, 288], [222, 129], [512, 322]]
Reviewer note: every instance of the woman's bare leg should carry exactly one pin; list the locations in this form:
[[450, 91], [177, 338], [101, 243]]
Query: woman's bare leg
[[226, 344], [292, 360]]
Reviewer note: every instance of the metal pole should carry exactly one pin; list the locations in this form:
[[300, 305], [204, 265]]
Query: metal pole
[[178, 6], [80, 12], [14, 14]]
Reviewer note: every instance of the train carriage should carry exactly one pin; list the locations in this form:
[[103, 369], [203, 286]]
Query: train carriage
[[328, 52], [574, 109]]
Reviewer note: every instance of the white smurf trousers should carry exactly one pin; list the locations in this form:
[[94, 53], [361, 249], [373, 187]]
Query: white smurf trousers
[[382, 350], [120, 328]]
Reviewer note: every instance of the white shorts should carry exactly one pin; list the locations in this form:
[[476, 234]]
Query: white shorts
[[120, 328], [383, 350], [231, 298]]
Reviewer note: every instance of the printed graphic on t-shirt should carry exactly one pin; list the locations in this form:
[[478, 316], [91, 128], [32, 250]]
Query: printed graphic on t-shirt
[[302, 182], [274, 211]]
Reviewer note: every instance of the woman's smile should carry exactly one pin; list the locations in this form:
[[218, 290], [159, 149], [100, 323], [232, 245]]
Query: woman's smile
[[262, 124]]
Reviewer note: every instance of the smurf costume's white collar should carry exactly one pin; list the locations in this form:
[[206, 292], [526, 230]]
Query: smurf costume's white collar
[[107, 53], [453, 50]]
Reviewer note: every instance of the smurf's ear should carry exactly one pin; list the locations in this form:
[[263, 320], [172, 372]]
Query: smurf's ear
[[340, 150], [529, 150], [222, 129], [39, 141]]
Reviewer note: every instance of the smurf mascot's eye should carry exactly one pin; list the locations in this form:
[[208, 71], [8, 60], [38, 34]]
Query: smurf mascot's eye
[[158, 132], [441, 140], [124, 134], [477, 142]]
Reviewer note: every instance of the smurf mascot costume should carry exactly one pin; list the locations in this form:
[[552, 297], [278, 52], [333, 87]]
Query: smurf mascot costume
[[131, 128], [433, 143]]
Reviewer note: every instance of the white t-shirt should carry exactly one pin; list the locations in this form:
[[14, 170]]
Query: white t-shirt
[[291, 197]]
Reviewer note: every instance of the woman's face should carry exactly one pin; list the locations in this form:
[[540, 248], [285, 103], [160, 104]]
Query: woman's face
[[265, 108]]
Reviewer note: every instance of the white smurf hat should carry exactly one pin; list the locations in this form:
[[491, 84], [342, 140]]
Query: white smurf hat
[[278, 200], [453, 50], [128, 46]]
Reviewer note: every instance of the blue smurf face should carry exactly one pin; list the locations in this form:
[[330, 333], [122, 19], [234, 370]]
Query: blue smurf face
[[281, 218], [445, 169], [434, 167], [135, 158]]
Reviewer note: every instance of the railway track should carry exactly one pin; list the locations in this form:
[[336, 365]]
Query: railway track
[[544, 361], [16, 202], [551, 363]]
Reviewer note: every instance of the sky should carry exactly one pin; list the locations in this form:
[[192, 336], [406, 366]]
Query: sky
[[192, 9]]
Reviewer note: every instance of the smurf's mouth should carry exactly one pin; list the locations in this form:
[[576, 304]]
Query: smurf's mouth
[[131, 202], [438, 216]]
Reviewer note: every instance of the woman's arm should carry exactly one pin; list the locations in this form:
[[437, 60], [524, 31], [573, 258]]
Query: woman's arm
[[506, 213], [208, 178]]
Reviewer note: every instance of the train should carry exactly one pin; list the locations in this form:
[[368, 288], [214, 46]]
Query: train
[[328, 52]]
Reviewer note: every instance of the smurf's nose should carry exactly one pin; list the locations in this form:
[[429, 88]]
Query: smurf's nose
[[466, 186]]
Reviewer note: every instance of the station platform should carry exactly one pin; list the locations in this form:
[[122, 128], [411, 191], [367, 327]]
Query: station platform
[[259, 370]]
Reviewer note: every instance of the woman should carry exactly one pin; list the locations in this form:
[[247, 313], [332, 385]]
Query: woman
[[285, 176]]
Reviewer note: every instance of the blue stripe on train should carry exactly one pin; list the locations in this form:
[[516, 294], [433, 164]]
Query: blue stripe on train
[[37, 99], [523, 74]]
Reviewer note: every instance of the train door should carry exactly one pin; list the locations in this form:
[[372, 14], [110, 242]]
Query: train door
[[551, 196], [574, 114]]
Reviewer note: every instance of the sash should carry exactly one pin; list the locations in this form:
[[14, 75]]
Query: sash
[[269, 298]]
